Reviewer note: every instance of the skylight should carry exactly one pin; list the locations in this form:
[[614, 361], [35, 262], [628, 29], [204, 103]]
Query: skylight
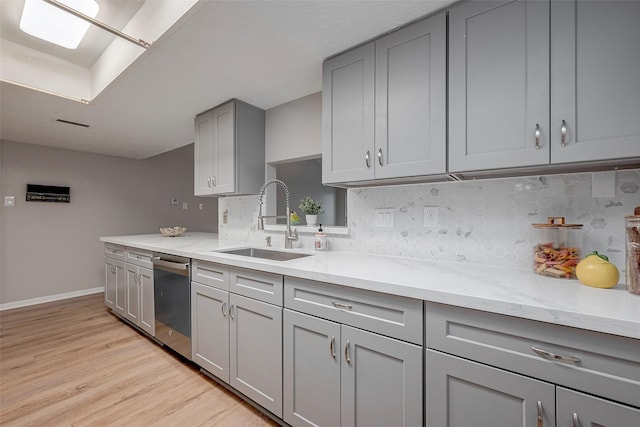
[[54, 25]]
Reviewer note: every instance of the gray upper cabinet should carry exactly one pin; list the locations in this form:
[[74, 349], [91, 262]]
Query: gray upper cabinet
[[595, 80], [410, 130], [539, 83], [384, 107], [498, 85], [229, 150], [348, 116]]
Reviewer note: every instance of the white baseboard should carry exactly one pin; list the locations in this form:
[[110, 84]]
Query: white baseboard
[[50, 298]]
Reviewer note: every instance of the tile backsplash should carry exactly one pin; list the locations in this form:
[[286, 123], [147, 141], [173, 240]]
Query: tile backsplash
[[483, 221]]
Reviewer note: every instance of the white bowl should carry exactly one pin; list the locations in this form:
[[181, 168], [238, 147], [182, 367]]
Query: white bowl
[[173, 231]]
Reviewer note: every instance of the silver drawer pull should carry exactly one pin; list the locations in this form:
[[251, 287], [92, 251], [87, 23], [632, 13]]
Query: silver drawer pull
[[366, 160], [575, 422], [537, 135], [341, 305], [563, 134], [332, 347], [549, 355], [540, 421], [347, 353], [380, 157]]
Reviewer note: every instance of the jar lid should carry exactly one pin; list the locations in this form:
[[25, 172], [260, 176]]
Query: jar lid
[[636, 214], [556, 222]]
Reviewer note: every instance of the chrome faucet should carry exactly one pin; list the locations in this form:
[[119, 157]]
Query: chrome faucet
[[289, 235]]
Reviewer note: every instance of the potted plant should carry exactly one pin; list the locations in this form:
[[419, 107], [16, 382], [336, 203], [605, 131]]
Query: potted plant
[[311, 209]]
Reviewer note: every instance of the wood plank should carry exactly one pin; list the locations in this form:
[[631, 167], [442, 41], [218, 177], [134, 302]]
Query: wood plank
[[72, 362]]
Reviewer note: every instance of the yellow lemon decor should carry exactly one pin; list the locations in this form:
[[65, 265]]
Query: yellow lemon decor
[[596, 271]]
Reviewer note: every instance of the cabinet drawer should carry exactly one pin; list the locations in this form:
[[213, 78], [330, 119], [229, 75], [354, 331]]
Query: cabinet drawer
[[139, 257], [389, 315], [210, 273], [255, 284], [601, 364], [114, 251]]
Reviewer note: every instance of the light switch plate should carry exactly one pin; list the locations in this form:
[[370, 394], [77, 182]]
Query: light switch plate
[[384, 217], [10, 201], [174, 200]]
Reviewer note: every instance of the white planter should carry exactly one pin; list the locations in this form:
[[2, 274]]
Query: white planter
[[311, 219]]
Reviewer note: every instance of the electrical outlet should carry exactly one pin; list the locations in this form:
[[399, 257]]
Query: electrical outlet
[[430, 216], [174, 200], [200, 206], [384, 218], [185, 206]]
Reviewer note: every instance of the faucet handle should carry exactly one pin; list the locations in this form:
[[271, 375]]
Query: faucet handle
[[268, 240]]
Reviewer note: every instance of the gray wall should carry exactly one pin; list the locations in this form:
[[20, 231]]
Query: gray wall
[[49, 249]]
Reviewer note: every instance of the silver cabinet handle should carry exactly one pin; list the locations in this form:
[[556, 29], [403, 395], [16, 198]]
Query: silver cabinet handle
[[341, 305], [563, 133], [347, 353], [380, 156], [113, 269], [224, 309], [332, 347], [540, 421], [537, 134], [139, 278], [559, 358], [574, 420], [213, 181], [231, 312], [209, 182], [366, 160]]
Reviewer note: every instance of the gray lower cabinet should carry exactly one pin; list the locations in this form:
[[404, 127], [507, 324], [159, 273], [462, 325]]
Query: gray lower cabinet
[[238, 338], [312, 359], [210, 329], [462, 393], [487, 369], [139, 305], [336, 374], [381, 380], [114, 284], [582, 410], [255, 351]]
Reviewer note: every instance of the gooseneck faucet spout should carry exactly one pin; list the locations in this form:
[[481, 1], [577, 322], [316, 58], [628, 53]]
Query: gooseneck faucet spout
[[290, 235]]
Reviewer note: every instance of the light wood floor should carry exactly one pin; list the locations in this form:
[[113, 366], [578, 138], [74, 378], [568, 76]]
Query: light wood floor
[[72, 363]]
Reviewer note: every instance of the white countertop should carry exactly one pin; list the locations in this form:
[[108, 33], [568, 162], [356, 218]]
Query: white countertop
[[513, 292]]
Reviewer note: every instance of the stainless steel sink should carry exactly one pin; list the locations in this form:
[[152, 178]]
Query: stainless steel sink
[[266, 254]]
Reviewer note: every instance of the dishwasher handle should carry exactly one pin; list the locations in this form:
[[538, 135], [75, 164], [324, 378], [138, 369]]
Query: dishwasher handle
[[156, 260]]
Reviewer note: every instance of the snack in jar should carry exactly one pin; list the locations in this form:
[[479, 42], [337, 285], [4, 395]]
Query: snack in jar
[[632, 232], [557, 249]]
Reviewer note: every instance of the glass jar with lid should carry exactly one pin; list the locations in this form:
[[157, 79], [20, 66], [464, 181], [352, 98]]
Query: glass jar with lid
[[557, 248], [632, 232]]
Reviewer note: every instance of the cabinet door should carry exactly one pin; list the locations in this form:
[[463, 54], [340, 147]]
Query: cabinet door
[[210, 329], [498, 84], [381, 380], [147, 312], [410, 101], [348, 116], [132, 306], [224, 155], [595, 80], [582, 410], [112, 271], [461, 393], [311, 370], [203, 154], [255, 353], [121, 290]]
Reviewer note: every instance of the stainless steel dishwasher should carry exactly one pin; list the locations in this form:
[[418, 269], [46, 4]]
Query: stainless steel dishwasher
[[172, 301]]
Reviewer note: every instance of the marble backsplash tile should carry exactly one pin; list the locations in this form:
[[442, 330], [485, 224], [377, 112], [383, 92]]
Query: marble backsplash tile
[[482, 221]]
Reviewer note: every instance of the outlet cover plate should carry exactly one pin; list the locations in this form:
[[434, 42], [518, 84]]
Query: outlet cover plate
[[430, 216]]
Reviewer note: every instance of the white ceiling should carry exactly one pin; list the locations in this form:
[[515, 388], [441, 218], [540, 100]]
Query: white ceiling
[[264, 52]]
